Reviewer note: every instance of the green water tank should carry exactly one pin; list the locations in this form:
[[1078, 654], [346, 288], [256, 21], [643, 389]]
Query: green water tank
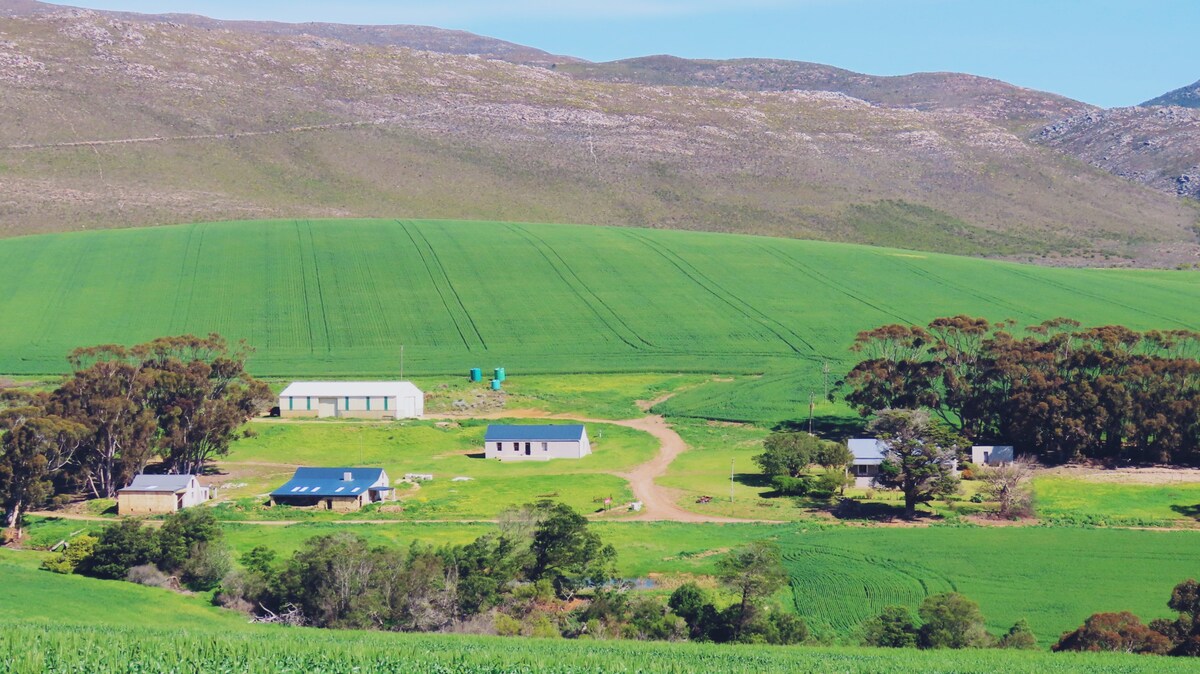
[[500, 373], [476, 374], [495, 384]]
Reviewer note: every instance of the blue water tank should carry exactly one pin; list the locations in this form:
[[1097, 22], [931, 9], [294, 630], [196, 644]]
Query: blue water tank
[[476, 374], [495, 384], [500, 373]]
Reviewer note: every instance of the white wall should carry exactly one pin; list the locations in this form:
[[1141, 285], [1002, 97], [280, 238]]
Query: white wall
[[538, 450]]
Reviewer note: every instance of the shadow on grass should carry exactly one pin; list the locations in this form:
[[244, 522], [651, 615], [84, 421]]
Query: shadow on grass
[[828, 427], [752, 479], [849, 509], [1192, 511], [476, 455]]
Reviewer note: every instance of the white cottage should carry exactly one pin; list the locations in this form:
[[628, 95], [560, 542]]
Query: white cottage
[[356, 399], [536, 443], [868, 454], [160, 494], [992, 455]]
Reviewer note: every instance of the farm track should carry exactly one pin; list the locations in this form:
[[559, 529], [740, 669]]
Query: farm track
[[732, 300], [658, 502], [194, 137]]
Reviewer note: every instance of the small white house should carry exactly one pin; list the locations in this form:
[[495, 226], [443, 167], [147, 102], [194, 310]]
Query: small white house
[[536, 442], [355, 399], [992, 455], [868, 454], [160, 494]]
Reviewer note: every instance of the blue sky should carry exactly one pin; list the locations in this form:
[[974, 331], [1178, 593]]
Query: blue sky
[[1105, 52]]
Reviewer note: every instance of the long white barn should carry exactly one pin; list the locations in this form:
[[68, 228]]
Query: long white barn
[[356, 399]]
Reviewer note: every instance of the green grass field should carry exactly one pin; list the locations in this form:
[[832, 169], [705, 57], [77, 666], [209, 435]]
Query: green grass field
[[339, 298], [1118, 503], [266, 460]]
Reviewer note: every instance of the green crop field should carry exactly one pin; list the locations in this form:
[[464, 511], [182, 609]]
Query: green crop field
[[1054, 577], [339, 298]]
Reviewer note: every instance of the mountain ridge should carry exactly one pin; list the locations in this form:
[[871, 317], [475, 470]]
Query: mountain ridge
[[113, 122]]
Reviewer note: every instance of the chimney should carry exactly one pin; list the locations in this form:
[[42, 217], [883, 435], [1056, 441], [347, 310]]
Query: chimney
[[347, 477]]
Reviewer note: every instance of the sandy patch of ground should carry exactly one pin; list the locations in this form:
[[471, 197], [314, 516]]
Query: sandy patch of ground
[[1152, 475]]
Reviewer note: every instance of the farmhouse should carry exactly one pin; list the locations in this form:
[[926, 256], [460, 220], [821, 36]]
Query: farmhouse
[[341, 489], [868, 454], [992, 455], [358, 399], [160, 494], [536, 443]]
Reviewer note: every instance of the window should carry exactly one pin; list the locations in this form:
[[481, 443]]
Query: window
[[347, 403], [861, 469], [291, 403], [545, 446], [516, 446], [385, 404], [368, 403], [309, 403]]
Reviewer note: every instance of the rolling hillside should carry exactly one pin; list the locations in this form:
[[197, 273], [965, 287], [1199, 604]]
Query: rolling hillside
[[116, 121], [1188, 97], [341, 297]]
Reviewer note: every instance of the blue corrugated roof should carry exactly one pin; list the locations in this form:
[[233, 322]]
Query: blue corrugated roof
[[867, 451], [330, 482], [534, 433]]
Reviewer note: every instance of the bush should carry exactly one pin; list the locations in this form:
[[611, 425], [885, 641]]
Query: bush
[[791, 486], [830, 482], [78, 550], [148, 575], [121, 547], [1019, 636], [893, 628], [205, 567], [950, 620], [506, 625], [1114, 632]]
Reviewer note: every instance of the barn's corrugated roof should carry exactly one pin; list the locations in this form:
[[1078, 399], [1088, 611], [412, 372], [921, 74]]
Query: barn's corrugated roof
[[534, 433], [331, 482], [159, 483], [354, 389], [867, 451]]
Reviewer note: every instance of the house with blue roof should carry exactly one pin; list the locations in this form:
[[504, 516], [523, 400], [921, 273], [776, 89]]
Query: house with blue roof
[[341, 489], [532, 442]]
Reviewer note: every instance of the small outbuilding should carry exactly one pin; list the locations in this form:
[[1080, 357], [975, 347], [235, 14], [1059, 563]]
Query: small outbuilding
[[536, 442], [355, 399], [868, 453], [992, 455], [341, 489], [160, 494]]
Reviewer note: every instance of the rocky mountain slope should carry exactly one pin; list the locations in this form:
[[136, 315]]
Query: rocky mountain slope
[[951, 92], [112, 121], [1158, 146], [1188, 97]]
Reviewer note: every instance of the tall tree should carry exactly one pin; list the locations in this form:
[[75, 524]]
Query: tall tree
[[920, 458], [104, 393], [34, 448], [200, 394], [1008, 485], [752, 573], [566, 552]]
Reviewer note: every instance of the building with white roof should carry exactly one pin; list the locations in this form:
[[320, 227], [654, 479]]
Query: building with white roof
[[160, 494], [356, 399]]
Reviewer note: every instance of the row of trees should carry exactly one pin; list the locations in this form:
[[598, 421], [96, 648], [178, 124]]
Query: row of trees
[[1058, 391], [801, 464], [1124, 632], [947, 620], [179, 399]]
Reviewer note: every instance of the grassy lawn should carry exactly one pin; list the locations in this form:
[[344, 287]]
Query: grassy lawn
[[1088, 501], [446, 450]]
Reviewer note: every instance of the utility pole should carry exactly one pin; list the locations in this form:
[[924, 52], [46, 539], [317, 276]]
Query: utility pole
[[401, 362], [812, 405], [731, 480]]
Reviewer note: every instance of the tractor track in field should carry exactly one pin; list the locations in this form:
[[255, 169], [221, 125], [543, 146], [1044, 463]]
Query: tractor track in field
[[304, 284], [732, 300], [1085, 293], [437, 286], [312, 243], [437, 260], [581, 289], [826, 281]]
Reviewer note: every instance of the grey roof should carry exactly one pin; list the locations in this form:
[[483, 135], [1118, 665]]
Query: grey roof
[[160, 483], [534, 433], [867, 451], [331, 482]]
